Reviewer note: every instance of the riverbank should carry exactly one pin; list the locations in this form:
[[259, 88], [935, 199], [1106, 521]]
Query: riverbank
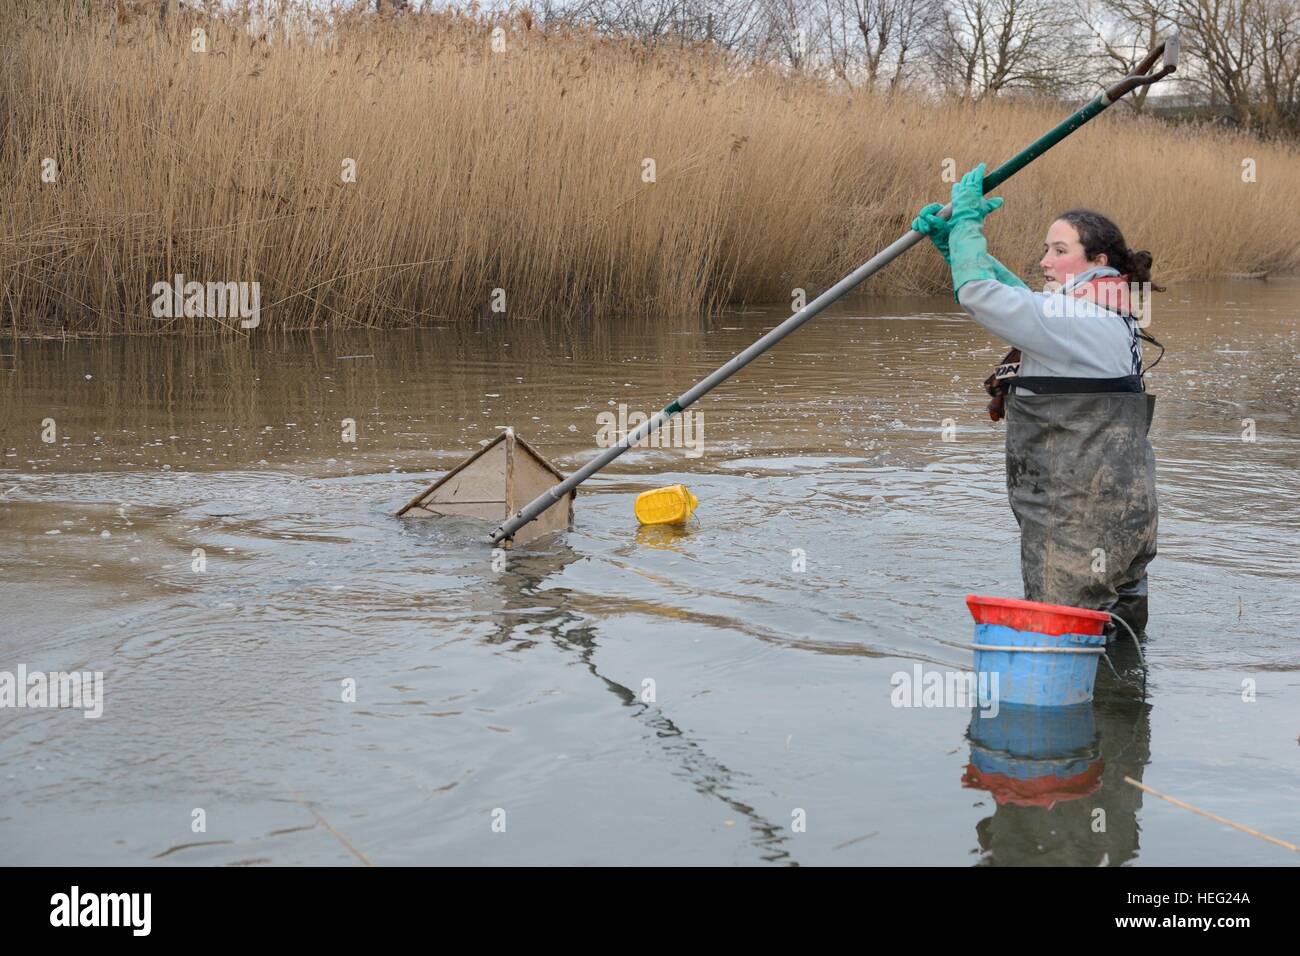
[[425, 170]]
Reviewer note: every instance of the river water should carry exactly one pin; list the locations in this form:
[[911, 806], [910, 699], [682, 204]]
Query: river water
[[291, 675]]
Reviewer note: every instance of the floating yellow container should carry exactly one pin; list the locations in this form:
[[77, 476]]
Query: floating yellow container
[[671, 505]]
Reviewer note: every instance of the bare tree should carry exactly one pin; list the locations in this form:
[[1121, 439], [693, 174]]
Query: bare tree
[[986, 47], [915, 20], [1217, 34], [870, 41], [794, 32], [648, 20], [732, 25], [1275, 25], [1246, 57], [1124, 32]]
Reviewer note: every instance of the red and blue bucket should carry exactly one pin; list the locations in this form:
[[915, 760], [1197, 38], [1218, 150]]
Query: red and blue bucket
[[1044, 655]]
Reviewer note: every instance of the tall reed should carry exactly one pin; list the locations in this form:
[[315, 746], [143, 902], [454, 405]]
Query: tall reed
[[527, 170]]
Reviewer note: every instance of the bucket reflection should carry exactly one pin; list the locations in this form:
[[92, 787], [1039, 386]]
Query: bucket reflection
[[1035, 756], [1056, 776]]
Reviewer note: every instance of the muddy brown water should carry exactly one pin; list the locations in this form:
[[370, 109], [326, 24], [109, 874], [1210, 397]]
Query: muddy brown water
[[199, 531]]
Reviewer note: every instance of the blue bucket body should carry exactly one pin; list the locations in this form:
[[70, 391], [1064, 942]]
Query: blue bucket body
[[1027, 743], [1032, 734], [1038, 680]]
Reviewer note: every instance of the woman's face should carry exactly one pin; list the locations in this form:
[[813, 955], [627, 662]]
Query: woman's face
[[1063, 256]]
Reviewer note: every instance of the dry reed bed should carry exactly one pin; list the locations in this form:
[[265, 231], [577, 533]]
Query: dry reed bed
[[522, 170]]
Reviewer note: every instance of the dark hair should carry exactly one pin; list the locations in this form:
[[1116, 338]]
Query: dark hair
[[1099, 235]]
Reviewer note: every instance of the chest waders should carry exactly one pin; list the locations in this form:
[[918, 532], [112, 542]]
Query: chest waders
[[1081, 478]]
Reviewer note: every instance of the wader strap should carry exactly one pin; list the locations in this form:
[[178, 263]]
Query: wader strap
[[1054, 385]]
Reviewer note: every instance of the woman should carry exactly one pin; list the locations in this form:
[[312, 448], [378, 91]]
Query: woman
[[1080, 468]]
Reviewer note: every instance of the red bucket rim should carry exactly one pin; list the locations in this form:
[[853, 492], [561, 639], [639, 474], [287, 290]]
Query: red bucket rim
[[1035, 616]]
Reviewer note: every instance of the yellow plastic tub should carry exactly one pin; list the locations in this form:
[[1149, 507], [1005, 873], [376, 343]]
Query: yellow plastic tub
[[671, 505]]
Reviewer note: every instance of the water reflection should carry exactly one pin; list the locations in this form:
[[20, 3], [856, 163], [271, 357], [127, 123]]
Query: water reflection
[[1034, 756], [530, 606], [662, 537], [1056, 775]]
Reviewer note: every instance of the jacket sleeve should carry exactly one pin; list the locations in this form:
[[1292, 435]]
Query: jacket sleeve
[[1016, 315]]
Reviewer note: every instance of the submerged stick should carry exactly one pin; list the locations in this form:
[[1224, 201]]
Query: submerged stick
[[334, 833], [1213, 816]]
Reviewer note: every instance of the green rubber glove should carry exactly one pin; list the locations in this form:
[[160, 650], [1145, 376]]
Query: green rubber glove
[[968, 202], [1005, 275], [968, 250], [928, 222]]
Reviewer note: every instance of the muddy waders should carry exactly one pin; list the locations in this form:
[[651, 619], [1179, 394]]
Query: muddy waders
[[1081, 480]]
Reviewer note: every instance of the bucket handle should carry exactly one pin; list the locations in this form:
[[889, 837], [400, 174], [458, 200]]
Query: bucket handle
[[1040, 650]]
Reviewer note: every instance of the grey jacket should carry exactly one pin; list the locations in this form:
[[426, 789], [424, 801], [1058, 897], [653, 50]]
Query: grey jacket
[[1074, 338]]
